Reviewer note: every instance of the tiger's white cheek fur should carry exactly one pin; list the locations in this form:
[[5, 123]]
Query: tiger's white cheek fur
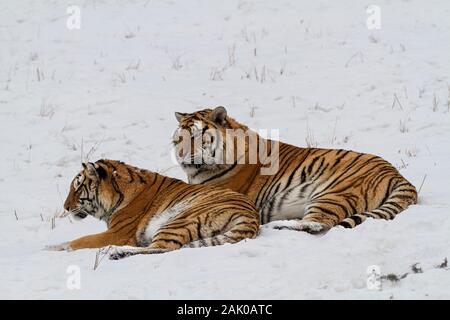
[[161, 219]]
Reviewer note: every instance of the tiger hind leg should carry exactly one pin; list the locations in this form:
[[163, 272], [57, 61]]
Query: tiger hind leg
[[403, 195], [214, 241], [242, 228]]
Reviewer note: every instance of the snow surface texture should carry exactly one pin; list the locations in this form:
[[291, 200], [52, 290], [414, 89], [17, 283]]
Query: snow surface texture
[[311, 69]]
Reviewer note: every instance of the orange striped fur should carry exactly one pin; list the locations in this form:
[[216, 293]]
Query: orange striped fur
[[314, 188], [146, 212]]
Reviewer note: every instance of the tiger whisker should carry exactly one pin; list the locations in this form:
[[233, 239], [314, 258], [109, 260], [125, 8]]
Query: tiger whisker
[[76, 211], [62, 214]]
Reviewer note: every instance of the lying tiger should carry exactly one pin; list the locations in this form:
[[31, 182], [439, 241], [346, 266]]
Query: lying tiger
[[314, 188], [146, 212]]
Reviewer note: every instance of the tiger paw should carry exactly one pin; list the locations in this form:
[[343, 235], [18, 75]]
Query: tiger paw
[[118, 252], [280, 225], [65, 246], [311, 227]]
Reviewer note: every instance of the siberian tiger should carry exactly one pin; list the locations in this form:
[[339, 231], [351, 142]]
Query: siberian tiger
[[146, 212], [314, 188]]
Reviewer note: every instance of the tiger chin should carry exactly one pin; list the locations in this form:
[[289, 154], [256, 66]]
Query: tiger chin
[[148, 213], [315, 189]]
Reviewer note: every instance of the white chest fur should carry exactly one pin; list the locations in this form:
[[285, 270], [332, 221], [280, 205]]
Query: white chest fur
[[162, 219], [290, 204]]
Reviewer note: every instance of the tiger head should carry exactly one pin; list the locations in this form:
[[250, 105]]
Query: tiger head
[[100, 189], [200, 139]]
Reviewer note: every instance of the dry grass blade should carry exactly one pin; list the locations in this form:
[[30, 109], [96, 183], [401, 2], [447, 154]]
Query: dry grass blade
[[93, 150], [421, 185], [310, 141], [333, 138], [357, 54], [100, 255], [168, 169], [396, 100], [81, 148], [63, 214], [444, 264], [435, 103]]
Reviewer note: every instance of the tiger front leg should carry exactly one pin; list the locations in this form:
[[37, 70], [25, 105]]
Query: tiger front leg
[[310, 226], [318, 219], [65, 246], [99, 240], [120, 252]]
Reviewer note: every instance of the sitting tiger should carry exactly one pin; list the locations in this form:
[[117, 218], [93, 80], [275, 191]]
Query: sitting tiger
[[146, 212], [315, 189]]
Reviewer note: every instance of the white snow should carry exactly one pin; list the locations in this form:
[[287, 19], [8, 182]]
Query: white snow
[[309, 68]]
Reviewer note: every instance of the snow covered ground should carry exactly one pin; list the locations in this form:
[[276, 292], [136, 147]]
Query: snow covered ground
[[309, 68]]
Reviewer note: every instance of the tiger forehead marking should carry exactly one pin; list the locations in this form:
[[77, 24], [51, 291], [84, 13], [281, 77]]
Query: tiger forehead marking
[[198, 125], [196, 120], [78, 181]]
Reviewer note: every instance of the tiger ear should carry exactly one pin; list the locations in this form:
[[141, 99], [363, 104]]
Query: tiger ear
[[94, 171], [179, 116], [90, 170], [218, 115]]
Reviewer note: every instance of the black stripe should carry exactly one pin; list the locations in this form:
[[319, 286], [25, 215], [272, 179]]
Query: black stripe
[[162, 231], [170, 240], [199, 225], [117, 190], [220, 174], [310, 167], [345, 224], [391, 203], [357, 219], [345, 209], [130, 172], [388, 191], [337, 179], [323, 210]]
